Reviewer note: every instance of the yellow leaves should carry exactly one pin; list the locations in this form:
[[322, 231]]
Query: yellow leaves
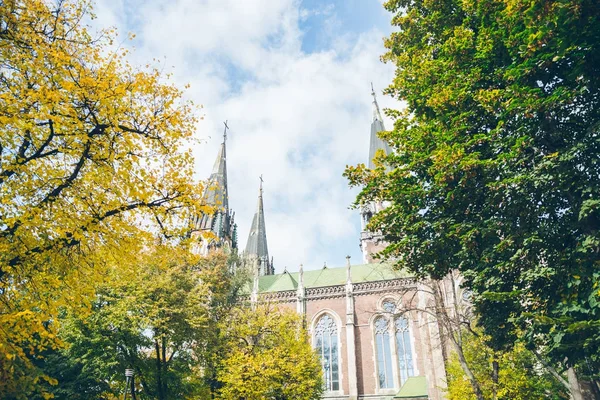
[[264, 345], [80, 191]]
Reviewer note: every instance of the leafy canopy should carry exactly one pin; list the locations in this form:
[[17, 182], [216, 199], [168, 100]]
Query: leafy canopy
[[268, 356], [496, 169], [519, 375], [93, 157]]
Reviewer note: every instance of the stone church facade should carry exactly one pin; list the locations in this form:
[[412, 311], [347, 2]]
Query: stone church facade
[[365, 320]]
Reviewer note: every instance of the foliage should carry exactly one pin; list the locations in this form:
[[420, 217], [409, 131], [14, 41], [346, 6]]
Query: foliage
[[520, 377], [268, 357], [92, 154], [496, 168], [156, 323]]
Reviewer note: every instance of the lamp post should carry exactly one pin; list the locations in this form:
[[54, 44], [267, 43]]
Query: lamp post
[[129, 383]]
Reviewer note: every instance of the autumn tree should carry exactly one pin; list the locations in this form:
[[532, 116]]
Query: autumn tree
[[496, 170], [92, 157], [519, 375], [157, 323], [268, 356]]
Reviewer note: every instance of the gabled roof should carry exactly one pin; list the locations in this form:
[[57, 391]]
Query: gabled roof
[[415, 387], [328, 277]]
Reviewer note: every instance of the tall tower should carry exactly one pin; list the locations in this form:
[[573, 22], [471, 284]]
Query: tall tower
[[221, 222], [372, 242], [257, 252]]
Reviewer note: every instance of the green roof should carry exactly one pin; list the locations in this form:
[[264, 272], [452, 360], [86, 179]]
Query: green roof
[[415, 387], [328, 277]]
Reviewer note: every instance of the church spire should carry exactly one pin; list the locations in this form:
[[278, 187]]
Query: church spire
[[372, 242], [376, 143], [216, 195], [256, 248]]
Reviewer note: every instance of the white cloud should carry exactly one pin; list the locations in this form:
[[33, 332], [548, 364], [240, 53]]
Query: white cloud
[[296, 118]]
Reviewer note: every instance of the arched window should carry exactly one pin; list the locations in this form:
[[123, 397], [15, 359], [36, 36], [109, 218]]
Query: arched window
[[405, 359], [326, 343], [384, 353]]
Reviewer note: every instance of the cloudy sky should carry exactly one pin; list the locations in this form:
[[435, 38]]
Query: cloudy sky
[[293, 80]]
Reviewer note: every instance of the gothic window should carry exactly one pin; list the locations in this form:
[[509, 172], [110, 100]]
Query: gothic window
[[326, 343], [384, 353], [389, 306], [404, 349]]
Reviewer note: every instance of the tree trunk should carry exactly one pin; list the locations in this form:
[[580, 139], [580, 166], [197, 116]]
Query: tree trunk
[[472, 379], [495, 374], [159, 385], [454, 333], [574, 384], [164, 369], [133, 396], [552, 370]]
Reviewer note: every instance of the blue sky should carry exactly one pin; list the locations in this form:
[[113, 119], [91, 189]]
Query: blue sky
[[293, 80]]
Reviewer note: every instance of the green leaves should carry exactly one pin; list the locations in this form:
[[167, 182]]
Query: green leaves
[[496, 170]]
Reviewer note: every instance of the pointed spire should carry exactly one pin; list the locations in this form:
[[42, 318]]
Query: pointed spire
[[257, 238], [376, 126], [216, 195], [376, 112]]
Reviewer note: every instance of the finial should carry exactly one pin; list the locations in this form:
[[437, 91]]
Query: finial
[[348, 276], [225, 131], [301, 277], [324, 264], [261, 182], [376, 111]]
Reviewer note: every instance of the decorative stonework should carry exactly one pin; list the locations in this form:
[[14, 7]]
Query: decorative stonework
[[279, 297], [326, 292], [383, 286]]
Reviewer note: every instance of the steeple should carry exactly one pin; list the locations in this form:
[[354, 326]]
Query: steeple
[[376, 126], [256, 248], [372, 242], [221, 222]]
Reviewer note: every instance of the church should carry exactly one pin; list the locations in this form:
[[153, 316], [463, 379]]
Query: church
[[363, 319]]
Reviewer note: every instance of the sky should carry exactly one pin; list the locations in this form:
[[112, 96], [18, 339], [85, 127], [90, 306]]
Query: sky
[[292, 78]]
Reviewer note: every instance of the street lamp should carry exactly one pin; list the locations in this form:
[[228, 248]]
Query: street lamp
[[129, 383]]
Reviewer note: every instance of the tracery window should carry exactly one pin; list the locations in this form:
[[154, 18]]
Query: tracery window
[[384, 353], [404, 349], [393, 346], [326, 343]]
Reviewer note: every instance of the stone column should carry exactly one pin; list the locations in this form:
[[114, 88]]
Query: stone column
[[350, 339]]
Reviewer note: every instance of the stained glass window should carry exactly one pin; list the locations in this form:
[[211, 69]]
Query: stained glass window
[[384, 353], [405, 358], [326, 343]]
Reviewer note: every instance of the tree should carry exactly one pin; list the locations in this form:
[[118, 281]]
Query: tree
[[519, 374], [495, 170], [156, 323], [268, 356], [92, 158]]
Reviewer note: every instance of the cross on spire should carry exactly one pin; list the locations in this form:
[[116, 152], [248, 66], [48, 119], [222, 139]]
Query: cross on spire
[[376, 112], [225, 131]]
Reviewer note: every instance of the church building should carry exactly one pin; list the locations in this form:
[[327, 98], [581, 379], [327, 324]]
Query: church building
[[363, 318]]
